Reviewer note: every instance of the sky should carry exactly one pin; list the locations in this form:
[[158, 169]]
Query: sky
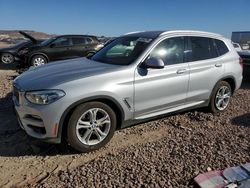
[[116, 17]]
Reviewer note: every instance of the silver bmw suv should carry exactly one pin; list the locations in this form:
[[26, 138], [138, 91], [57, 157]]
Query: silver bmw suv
[[133, 78]]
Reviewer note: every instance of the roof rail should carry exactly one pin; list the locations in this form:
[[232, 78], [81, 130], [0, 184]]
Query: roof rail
[[133, 32], [189, 31]]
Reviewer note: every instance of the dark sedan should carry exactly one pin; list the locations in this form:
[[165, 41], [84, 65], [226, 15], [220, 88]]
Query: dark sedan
[[9, 55], [60, 48], [245, 55]]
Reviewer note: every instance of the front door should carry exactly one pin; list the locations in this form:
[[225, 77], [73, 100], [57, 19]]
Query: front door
[[159, 90]]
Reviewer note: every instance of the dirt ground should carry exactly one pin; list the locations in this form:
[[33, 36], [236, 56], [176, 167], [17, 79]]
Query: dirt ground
[[3, 44], [168, 152]]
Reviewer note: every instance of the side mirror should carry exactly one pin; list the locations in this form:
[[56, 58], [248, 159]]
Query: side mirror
[[154, 63]]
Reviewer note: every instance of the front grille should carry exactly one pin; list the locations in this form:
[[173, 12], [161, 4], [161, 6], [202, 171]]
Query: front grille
[[16, 93]]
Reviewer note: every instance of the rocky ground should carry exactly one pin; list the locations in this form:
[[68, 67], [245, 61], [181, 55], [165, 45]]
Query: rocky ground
[[168, 152]]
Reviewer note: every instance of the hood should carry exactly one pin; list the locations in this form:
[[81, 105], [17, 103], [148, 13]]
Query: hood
[[51, 75], [15, 47], [8, 49], [28, 36]]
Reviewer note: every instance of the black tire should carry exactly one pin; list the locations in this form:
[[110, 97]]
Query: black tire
[[212, 104], [7, 58], [38, 60], [72, 137]]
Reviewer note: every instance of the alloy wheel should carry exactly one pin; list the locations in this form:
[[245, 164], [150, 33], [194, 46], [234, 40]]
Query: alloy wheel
[[7, 58], [93, 126], [39, 61], [222, 98]]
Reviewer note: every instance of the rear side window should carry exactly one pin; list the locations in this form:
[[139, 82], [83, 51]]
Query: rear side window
[[78, 40], [88, 41], [82, 40], [202, 48], [221, 46], [171, 51]]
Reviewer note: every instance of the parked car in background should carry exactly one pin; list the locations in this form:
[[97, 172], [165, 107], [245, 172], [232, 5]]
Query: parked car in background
[[242, 38], [245, 55], [9, 55], [237, 47], [60, 48], [85, 100]]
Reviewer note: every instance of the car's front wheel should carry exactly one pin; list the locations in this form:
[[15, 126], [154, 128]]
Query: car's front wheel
[[91, 126], [7, 58], [220, 97], [38, 60]]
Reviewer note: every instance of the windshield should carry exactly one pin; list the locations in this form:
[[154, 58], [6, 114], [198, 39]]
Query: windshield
[[46, 42], [122, 51]]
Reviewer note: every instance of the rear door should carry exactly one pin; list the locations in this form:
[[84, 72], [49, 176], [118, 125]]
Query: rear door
[[206, 68], [60, 49], [82, 46], [79, 47]]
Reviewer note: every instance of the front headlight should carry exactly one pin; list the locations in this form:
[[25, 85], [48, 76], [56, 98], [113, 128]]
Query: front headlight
[[44, 96]]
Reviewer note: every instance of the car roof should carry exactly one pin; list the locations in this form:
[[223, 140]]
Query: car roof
[[155, 34], [75, 36], [145, 34]]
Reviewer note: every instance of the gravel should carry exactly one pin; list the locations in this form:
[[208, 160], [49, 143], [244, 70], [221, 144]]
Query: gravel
[[193, 142], [6, 77], [168, 152]]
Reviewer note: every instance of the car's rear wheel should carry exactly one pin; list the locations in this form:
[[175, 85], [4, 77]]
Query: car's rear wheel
[[220, 98], [38, 60], [91, 126], [7, 58]]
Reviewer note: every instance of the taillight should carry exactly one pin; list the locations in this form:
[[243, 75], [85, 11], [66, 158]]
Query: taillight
[[241, 62]]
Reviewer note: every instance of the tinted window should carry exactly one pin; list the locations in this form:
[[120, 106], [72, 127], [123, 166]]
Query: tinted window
[[222, 48], [78, 41], [171, 51], [202, 48], [62, 42]]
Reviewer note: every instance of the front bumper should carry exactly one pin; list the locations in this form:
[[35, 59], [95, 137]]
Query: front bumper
[[40, 122], [22, 60]]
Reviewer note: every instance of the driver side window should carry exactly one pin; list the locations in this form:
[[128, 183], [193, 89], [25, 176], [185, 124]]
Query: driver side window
[[171, 51], [60, 42]]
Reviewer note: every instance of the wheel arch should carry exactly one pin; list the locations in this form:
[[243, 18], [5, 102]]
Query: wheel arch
[[116, 107], [91, 51], [38, 53], [231, 81], [228, 79]]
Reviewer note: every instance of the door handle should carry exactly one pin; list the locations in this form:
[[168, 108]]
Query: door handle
[[218, 65], [181, 71]]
